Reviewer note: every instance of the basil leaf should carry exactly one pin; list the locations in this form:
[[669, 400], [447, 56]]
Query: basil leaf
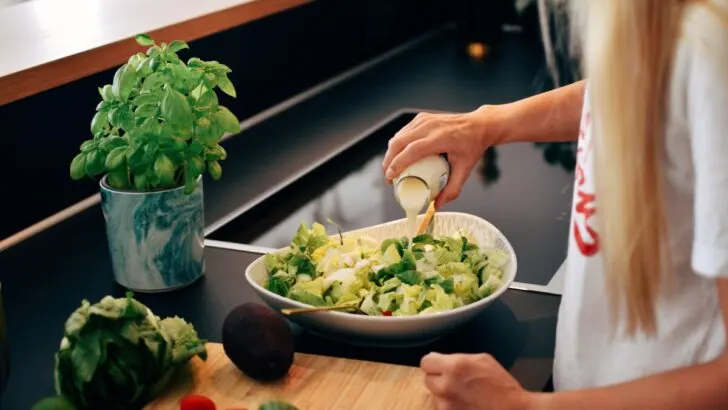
[[99, 122], [106, 93], [78, 166], [195, 148], [146, 98], [226, 86], [151, 126], [226, 120], [195, 62], [172, 144], [195, 165], [124, 80], [177, 45], [95, 163], [115, 158], [107, 144], [218, 68], [136, 59], [204, 131], [118, 179], [153, 81], [134, 156], [140, 182], [89, 145], [190, 182], [120, 117], [146, 110], [216, 153], [175, 107], [102, 106], [167, 131], [154, 51], [150, 152], [210, 79], [144, 40], [207, 101], [164, 169], [214, 169]]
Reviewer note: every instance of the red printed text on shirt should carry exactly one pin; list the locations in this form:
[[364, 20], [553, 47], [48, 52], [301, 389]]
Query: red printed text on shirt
[[585, 236]]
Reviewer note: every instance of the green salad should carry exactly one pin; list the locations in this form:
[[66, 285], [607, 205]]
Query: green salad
[[391, 278]]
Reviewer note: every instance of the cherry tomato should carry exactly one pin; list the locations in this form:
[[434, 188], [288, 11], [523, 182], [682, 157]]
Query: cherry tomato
[[196, 402], [387, 313]]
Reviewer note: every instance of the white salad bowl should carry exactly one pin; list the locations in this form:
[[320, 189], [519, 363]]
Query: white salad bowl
[[395, 331]]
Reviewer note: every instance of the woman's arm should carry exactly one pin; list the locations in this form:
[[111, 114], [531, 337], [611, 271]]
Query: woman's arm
[[552, 116], [703, 386]]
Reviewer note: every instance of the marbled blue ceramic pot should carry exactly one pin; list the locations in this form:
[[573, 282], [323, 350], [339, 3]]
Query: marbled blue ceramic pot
[[156, 238]]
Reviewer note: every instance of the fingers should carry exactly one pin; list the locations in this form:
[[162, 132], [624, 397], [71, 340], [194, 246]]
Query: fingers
[[438, 364], [443, 404], [434, 363], [416, 150], [459, 173], [440, 385], [404, 137]]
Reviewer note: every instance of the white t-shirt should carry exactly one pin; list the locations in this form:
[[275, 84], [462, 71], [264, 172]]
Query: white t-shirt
[[690, 321]]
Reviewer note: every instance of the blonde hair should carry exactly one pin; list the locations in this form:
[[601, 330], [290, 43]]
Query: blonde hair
[[629, 47], [626, 50]]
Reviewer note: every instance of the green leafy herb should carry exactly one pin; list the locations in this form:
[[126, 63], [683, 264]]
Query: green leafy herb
[[400, 243], [447, 285], [144, 40], [410, 277], [116, 354], [164, 119]]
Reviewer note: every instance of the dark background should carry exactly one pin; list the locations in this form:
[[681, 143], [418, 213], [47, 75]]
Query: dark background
[[272, 59]]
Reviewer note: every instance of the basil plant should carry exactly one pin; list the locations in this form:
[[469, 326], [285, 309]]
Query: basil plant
[[159, 124]]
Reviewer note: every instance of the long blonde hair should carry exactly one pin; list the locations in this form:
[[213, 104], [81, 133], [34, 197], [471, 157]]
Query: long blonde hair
[[626, 49], [630, 47]]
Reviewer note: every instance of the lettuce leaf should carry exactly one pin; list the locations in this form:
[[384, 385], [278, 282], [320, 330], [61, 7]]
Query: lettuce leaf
[[116, 354]]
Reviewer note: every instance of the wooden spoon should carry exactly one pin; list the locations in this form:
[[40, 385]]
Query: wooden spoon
[[426, 225], [314, 309]]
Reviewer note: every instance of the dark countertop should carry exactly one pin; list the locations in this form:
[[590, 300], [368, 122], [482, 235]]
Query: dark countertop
[[45, 278], [518, 329]]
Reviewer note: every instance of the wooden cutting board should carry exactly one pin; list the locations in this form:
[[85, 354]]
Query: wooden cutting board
[[313, 383]]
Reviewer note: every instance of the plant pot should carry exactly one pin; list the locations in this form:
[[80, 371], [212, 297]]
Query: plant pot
[[156, 239]]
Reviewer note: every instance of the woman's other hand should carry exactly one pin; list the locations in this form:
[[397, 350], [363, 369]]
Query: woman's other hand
[[473, 382], [463, 137]]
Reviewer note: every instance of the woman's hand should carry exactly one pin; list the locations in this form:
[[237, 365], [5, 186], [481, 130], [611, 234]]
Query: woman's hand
[[463, 137], [472, 382]]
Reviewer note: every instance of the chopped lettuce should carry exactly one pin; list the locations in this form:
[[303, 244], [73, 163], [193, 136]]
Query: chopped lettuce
[[393, 277]]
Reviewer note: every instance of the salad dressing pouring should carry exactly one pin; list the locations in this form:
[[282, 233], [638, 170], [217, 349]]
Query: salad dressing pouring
[[413, 194], [418, 185]]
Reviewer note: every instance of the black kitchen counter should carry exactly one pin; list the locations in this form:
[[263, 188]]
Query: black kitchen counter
[[45, 277], [518, 329]]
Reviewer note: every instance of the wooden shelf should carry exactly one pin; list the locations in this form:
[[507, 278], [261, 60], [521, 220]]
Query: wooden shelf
[[48, 43]]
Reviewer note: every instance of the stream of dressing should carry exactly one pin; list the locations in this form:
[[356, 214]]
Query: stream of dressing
[[413, 195]]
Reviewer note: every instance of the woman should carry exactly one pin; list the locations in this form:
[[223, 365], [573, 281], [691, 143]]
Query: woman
[[642, 323]]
